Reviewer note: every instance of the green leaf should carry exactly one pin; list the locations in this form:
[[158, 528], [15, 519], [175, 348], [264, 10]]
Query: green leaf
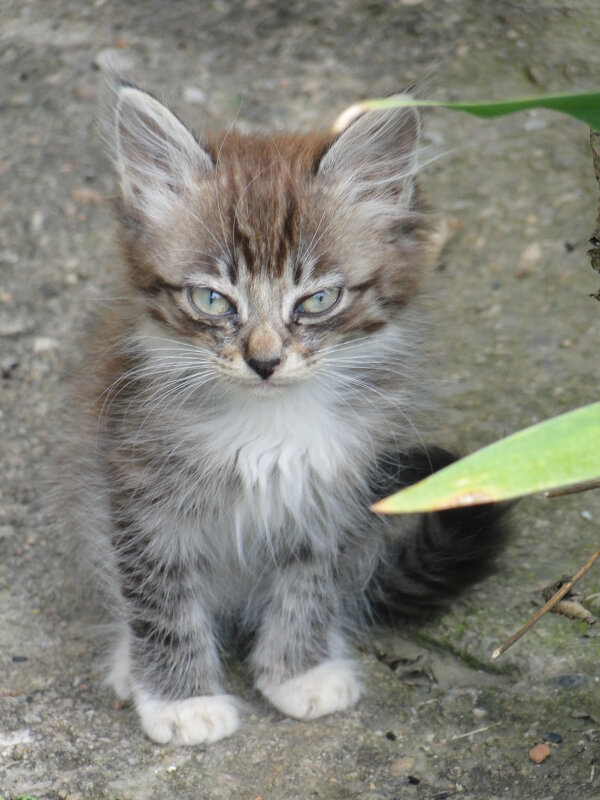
[[562, 451], [583, 106]]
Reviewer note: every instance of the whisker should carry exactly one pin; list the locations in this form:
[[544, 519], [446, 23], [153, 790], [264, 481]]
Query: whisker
[[397, 404]]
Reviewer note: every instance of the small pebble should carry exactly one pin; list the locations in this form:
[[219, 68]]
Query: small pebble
[[531, 254], [84, 91], [533, 74], [401, 766], [572, 681], [18, 753], [8, 364], [42, 344], [391, 736], [554, 738], [84, 195], [539, 753], [193, 95], [14, 327], [8, 257], [36, 221], [20, 100]]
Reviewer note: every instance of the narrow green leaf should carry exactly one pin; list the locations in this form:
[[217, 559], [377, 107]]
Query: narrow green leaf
[[562, 451], [584, 106]]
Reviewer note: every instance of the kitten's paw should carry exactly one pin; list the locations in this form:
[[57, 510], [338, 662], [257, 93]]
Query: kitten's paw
[[191, 721], [332, 686]]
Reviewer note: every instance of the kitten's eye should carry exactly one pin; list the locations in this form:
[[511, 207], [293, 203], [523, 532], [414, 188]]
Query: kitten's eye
[[319, 301], [209, 302]]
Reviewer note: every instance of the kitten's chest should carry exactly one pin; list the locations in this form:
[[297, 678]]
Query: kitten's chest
[[281, 458]]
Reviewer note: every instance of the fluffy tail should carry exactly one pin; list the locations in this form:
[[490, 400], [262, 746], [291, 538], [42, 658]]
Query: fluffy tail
[[440, 554]]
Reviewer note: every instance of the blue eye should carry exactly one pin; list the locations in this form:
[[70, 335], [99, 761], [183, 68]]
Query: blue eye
[[318, 302], [208, 301]]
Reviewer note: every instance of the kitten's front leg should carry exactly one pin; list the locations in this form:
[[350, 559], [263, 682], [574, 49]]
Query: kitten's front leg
[[299, 653], [175, 687], [167, 658]]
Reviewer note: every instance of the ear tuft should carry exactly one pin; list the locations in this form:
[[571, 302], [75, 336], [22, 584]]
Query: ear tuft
[[375, 152], [155, 152]]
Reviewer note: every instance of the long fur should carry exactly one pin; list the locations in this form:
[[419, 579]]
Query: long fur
[[440, 554], [222, 466]]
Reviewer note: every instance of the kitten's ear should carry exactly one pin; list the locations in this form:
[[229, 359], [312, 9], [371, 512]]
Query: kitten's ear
[[155, 153], [375, 152]]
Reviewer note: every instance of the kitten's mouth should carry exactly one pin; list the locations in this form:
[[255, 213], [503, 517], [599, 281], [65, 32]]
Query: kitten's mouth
[[270, 386], [265, 387]]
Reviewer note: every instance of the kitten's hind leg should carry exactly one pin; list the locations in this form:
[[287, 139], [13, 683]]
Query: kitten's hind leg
[[119, 676], [298, 657]]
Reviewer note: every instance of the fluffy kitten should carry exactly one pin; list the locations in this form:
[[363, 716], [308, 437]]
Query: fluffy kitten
[[243, 403]]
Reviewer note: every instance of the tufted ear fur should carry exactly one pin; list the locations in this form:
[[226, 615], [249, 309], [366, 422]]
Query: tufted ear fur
[[375, 153], [156, 156]]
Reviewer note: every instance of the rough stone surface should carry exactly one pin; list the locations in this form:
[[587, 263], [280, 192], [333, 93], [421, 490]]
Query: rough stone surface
[[515, 337]]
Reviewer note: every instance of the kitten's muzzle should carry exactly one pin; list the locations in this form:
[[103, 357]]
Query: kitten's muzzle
[[263, 368]]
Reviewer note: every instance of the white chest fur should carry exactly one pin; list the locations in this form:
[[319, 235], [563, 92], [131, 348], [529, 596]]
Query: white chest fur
[[285, 452]]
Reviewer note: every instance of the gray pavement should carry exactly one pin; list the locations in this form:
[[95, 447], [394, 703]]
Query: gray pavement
[[514, 340]]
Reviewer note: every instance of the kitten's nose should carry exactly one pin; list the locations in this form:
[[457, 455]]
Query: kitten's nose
[[264, 368], [263, 350]]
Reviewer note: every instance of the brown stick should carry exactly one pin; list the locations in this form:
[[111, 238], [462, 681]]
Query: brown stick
[[556, 597], [575, 489], [594, 251]]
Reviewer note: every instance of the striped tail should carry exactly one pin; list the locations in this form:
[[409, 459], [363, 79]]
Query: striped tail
[[440, 554]]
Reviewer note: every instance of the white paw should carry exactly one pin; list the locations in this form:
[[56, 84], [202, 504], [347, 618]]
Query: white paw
[[191, 721], [332, 686]]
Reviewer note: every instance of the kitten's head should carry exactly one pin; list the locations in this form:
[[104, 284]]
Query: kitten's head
[[269, 254]]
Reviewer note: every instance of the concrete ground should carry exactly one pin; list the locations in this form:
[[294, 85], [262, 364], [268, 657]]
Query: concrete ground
[[515, 338]]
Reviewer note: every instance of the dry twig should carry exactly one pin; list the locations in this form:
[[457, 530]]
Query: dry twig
[[594, 251], [472, 733], [556, 598], [577, 488]]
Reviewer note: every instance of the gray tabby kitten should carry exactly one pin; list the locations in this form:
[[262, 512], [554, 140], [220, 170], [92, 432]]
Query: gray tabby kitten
[[244, 402]]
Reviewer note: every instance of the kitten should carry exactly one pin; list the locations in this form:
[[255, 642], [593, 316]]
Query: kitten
[[244, 402]]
